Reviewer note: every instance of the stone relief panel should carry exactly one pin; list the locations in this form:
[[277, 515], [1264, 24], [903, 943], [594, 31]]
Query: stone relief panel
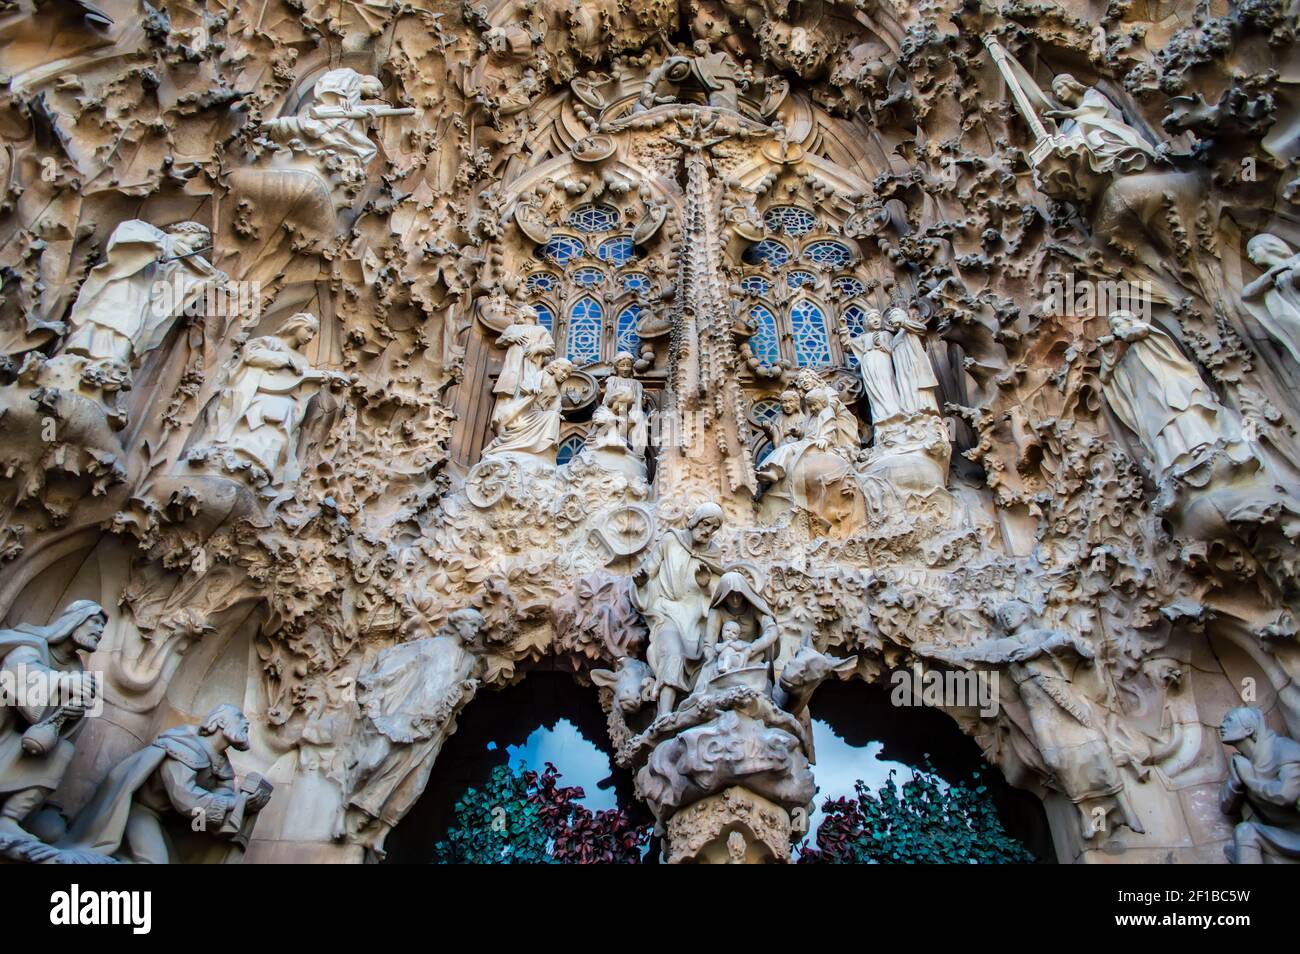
[[705, 351]]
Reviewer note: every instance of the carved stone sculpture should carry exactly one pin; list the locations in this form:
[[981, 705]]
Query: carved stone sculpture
[[127, 304], [529, 425], [874, 351], [45, 665], [674, 586], [1263, 786], [1274, 297], [1156, 392], [336, 123], [185, 772], [914, 378], [409, 696], [252, 426]]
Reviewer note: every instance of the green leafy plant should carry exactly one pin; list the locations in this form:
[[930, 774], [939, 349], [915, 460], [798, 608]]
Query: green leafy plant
[[922, 822], [526, 817]]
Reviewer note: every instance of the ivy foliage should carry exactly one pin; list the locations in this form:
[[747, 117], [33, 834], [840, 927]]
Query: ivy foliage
[[526, 817], [925, 821]]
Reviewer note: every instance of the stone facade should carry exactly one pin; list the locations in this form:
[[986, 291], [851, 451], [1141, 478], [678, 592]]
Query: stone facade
[[356, 359]]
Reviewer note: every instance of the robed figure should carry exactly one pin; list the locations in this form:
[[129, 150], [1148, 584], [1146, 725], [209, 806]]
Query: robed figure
[[874, 349], [530, 423], [1156, 391], [1274, 297], [128, 302], [914, 377], [36, 732], [257, 415], [672, 590]]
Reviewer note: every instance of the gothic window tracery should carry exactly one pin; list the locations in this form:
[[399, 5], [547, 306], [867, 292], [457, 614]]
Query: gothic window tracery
[[828, 254], [617, 251], [790, 220], [594, 218], [562, 249], [767, 251], [765, 344], [625, 330], [589, 277], [585, 326], [812, 347], [569, 448]]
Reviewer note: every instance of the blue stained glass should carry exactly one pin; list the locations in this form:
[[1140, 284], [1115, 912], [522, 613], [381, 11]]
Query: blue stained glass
[[617, 251], [848, 286], [563, 249], [766, 409], [755, 284], [585, 319], [798, 278], [812, 347], [569, 449], [764, 344], [636, 281], [628, 339], [540, 282], [545, 317], [768, 250], [828, 254], [855, 320], [594, 218], [589, 277], [789, 219]]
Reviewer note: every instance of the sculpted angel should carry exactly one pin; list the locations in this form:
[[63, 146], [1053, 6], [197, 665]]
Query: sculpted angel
[[874, 349], [914, 377], [1274, 297]]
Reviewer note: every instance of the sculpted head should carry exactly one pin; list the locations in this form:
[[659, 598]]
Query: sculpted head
[[82, 622], [1014, 614], [624, 363], [817, 400], [873, 320], [226, 721], [193, 236], [704, 522], [465, 624], [894, 318], [560, 369], [1068, 90], [299, 329], [1267, 250], [1240, 724], [790, 402]]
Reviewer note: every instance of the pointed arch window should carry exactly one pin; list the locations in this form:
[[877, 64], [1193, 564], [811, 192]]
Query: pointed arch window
[[545, 317], [585, 319], [625, 328], [855, 322], [764, 341], [569, 449], [812, 346]]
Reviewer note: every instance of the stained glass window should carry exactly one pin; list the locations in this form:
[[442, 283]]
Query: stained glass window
[[764, 342], [589, 277], [766, 409], [545, 316], [563, 249], [812, 348], [828, 254], [569, 449], [848, 286], [636, 281], [617, 251], [628, 340], [768, 250], [855, 320], [585, 319], [594, 218], [789, 219], [540, 282], [798, 278], [756, 284]]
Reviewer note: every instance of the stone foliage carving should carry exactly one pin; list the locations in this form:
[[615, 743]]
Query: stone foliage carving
[[706, 351]]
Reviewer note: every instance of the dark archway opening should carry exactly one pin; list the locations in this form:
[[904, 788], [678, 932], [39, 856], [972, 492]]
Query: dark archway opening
[[859, 733], [546, 717]]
